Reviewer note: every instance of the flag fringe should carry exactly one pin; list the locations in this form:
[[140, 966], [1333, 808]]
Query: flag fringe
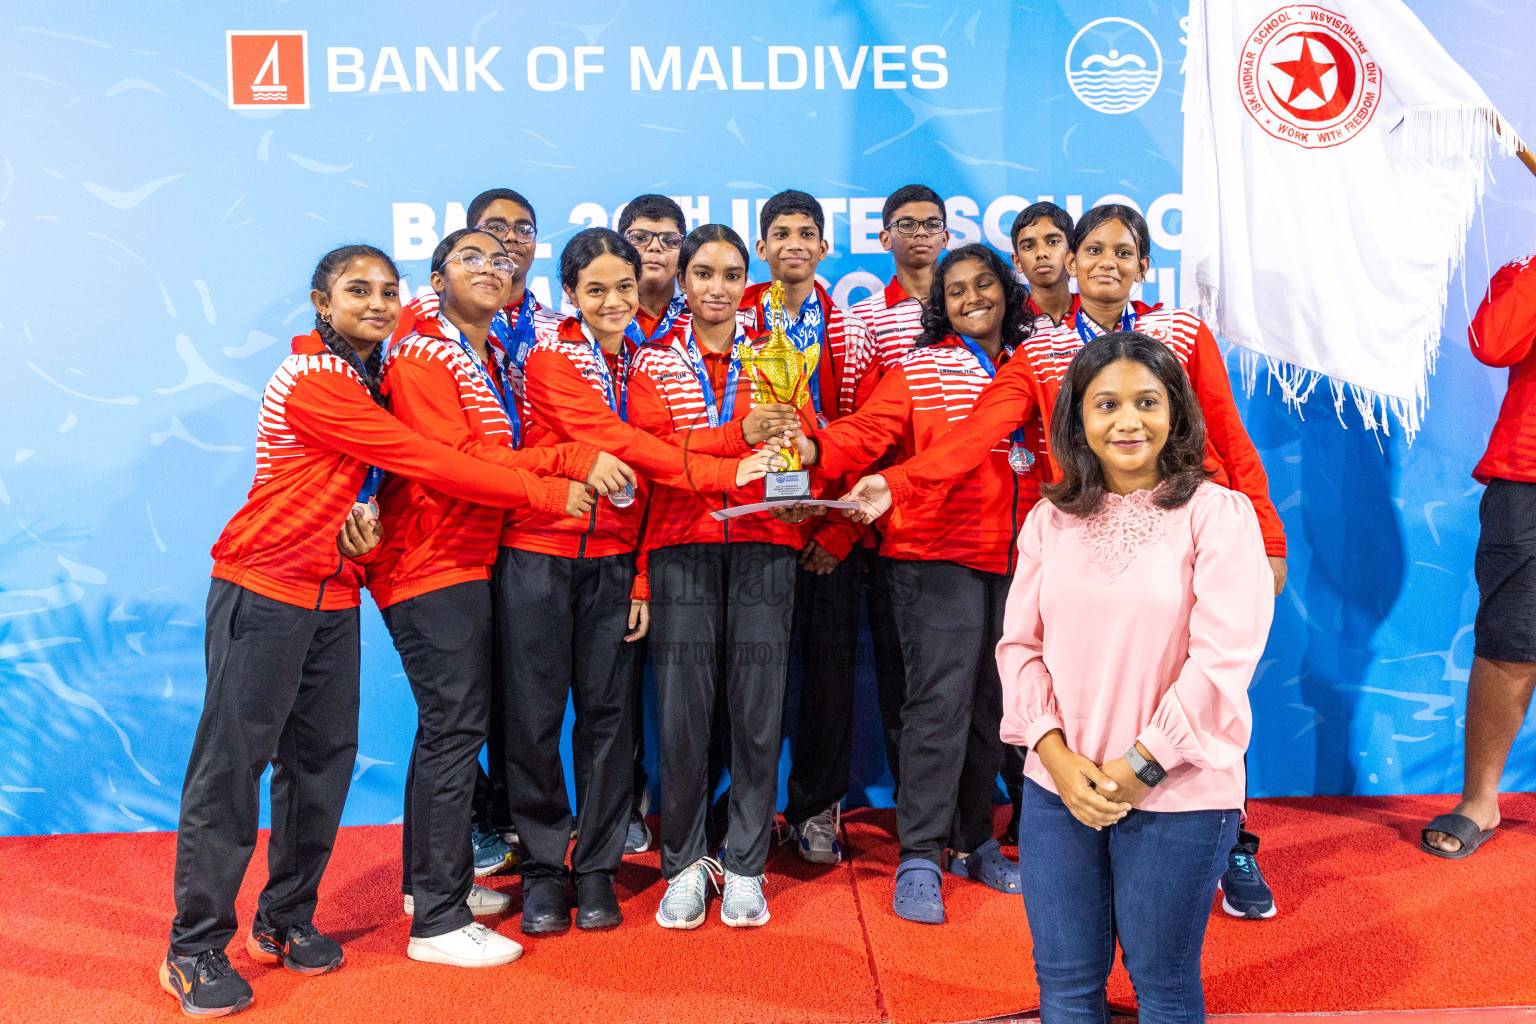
[[1435, 135]]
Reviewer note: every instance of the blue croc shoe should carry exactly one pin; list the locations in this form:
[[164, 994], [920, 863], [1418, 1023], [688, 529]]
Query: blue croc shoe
[[987, 865], [919, 894]]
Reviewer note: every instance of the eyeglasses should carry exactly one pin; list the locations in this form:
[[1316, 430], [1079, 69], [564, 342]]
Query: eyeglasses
[[911, 225], [524, 230], [641, 239], [475, 262]]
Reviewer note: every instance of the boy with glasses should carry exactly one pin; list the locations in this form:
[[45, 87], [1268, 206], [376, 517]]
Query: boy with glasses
[[655, 226]]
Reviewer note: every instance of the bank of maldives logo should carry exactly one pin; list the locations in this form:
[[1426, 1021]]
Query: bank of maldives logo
[[267, 69], [1306, 78], [1114, 65]]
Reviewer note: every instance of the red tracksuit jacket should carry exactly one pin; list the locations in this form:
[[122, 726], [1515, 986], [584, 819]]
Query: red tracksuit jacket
[[973, 520], [318, 432], [433, 540], [1504, 334]]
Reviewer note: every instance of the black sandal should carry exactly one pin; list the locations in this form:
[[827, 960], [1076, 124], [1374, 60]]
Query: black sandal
[[1461, 828]]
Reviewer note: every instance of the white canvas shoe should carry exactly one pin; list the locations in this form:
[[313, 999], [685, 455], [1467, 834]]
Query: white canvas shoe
[[474, 945], [482, 902]]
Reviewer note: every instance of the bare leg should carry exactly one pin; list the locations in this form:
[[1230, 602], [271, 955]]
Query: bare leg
[[1498, 695]]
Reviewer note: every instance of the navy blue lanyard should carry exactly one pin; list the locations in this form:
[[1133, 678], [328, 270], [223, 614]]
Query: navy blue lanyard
[[502, 389], [1084, 331], [674, 310], [726, 408], [1017, 437], [618, 398], [516, 339]]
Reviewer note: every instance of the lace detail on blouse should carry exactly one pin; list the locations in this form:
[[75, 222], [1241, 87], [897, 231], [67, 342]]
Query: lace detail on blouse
[[1122, 526]]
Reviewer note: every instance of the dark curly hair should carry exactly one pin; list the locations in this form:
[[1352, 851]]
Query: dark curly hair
[[586, 246], [1017, 323], [1181, 462], [326, 272]]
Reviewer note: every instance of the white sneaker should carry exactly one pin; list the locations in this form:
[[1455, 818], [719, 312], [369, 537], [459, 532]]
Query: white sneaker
[[743, 905], [482, 902], [684, 904], [817, 836], [474, 945]]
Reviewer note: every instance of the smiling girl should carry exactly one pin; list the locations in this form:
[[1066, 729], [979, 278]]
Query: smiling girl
[[946, 559], [1135, 620]]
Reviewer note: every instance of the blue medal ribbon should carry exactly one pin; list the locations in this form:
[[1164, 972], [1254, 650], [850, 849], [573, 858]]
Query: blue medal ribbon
[[1017, 437], [1085, 327], [496, 380], [516, 340], [726, 407], [675, 309], [618, 397]]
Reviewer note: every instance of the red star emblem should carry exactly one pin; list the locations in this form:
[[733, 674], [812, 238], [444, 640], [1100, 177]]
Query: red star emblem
[[1306, 73]]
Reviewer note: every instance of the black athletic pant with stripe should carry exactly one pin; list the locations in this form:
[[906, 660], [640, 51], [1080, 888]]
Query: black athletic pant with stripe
[[827, 625], [444, 641], [560, 626], [282, 689], [720, 617], [949, 617]]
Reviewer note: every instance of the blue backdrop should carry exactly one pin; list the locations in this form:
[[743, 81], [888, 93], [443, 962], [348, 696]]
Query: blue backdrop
[[156, 246]]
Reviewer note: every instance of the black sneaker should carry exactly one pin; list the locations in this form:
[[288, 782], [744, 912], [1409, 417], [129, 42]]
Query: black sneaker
[[205, 983], [299, 947], [1244, 892]]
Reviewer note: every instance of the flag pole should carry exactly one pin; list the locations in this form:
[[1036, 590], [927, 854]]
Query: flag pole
[[1526, 156]]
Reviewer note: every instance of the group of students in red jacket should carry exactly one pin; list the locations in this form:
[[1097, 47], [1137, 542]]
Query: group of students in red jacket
[[528, 498]]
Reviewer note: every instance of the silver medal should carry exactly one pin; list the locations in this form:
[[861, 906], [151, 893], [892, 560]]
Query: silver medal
[[624, 498], [1021, 458]]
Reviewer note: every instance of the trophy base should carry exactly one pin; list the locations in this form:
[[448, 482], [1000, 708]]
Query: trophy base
[[791, 486]]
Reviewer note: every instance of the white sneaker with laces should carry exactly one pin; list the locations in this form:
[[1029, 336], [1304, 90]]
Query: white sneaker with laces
[[743, 905], [684, 904], [817, 836], [482, 902], [474, 945]]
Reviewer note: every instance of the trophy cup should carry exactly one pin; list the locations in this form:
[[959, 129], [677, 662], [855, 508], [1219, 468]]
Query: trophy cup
[[781, 373]]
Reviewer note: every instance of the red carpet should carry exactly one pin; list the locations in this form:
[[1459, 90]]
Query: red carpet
[[1366, 922]]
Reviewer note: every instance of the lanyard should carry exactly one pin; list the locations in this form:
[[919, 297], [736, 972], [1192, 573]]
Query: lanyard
[[807, 329], [371, 484], [675, 309], [496, 380], [618, 399], [516, 340], [1084, 331], [726, 407], [1017, 437]]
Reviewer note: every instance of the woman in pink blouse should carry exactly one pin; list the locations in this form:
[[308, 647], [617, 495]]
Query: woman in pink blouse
[[1138, 612]]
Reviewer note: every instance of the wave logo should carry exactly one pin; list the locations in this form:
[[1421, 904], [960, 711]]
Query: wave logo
[[1114, 65]]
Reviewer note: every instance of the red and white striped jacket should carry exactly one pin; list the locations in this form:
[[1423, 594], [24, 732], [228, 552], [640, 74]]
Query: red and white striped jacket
[[319, 430], [433, 540], [975, 518], [545, 325], [1016, 396], [848, 373], [894, 320], [567, 402]]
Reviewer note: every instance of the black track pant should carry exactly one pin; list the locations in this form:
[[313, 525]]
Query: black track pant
[[560, 625], [444, 640], [827, 628], [890, 673], [950, 618], [720, 616], [282, 689]]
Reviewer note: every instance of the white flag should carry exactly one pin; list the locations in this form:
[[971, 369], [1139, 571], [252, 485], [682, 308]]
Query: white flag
[[1334, 157]]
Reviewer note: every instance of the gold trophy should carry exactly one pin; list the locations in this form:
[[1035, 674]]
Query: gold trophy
[[781, 373]]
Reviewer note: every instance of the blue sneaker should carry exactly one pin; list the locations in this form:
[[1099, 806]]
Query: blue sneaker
[[492, 855], [988, 865], [1244, 893]]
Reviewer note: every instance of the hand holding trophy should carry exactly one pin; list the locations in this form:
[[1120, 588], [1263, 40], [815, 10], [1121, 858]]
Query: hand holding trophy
[[781, 373]]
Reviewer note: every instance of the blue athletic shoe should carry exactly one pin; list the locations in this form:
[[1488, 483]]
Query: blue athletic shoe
[[988, 865], [1244, 893], [491, 853]]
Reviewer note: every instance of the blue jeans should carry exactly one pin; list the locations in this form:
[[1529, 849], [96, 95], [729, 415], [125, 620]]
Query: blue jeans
[[1148, 881]]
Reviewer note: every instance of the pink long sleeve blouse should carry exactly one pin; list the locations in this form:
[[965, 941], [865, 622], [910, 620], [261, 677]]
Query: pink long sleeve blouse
[[1138, 623]]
